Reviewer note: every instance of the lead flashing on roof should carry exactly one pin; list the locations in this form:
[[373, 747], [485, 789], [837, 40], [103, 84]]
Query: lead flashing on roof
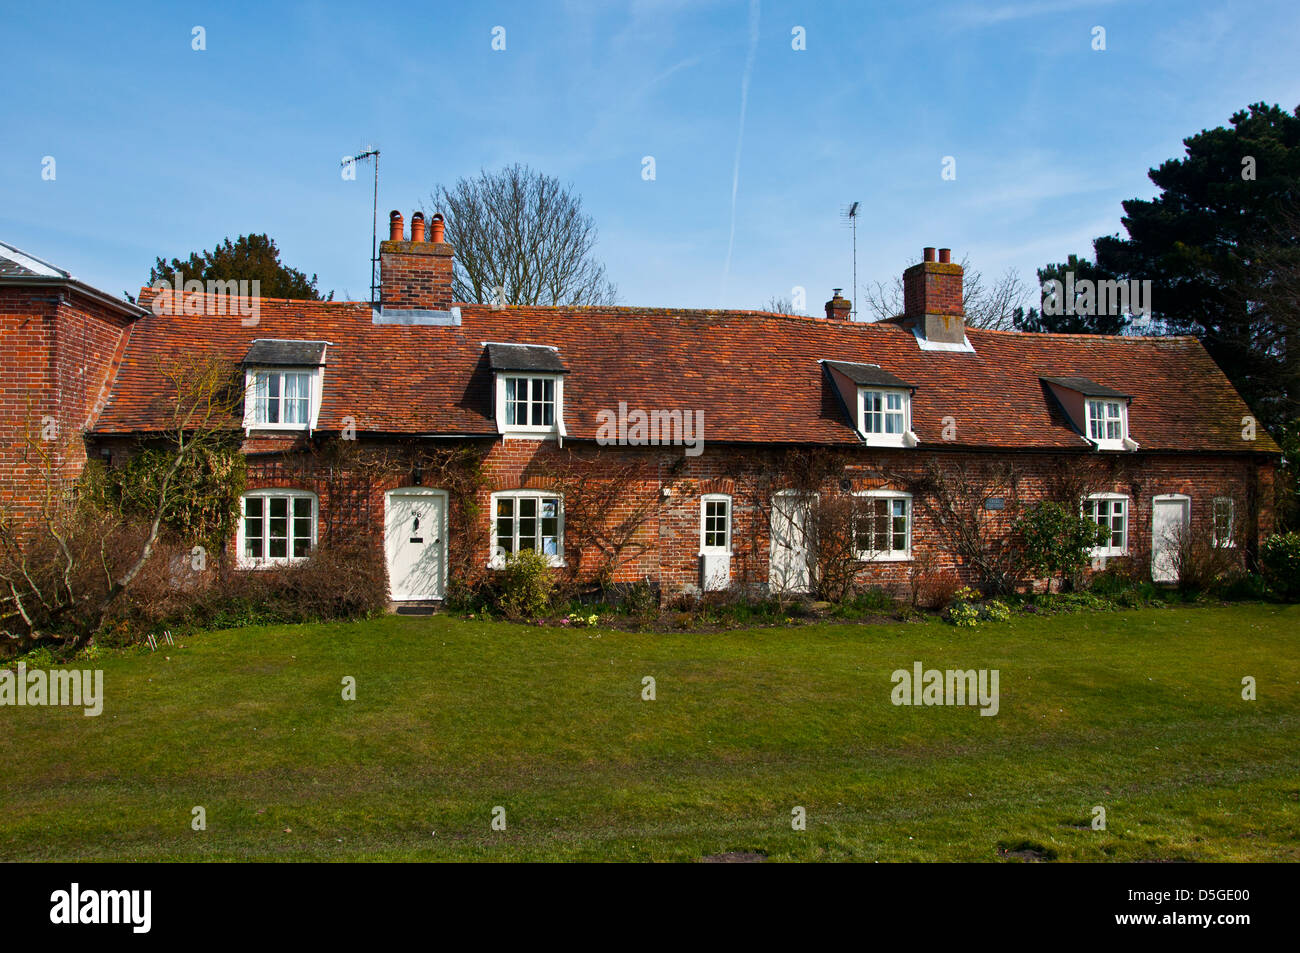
[[415, 317], [927, 345]]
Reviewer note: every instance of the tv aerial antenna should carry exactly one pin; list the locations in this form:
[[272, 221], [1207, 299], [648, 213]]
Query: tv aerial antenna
[[374, 218], [850, 214]]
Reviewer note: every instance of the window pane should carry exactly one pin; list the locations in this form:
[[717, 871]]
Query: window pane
[[297, 398], [253, 528], [260, 392], [512, 406], [506, 534], [272, 398], [715, 524], [528, 522], [535, 402], [506, 522], [872, 412]]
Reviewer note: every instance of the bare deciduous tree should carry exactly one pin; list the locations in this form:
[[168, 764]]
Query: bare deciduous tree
[[778, 305], [524, 233], [991, 306], [64, 566]]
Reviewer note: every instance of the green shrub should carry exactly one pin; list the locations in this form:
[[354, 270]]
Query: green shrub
[[1071, 602], [470, 597], [1280, 559], [1120, 575], [996, 611], [40, 657], [1058, 540], [1242, 587], [963, 614], [204, 502], [526, 585], [641, 600]]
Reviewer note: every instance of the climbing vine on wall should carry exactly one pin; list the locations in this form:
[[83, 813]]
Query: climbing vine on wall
[[203, 503]]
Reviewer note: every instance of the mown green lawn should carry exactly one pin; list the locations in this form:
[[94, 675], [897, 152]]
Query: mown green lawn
[[1139, 712]]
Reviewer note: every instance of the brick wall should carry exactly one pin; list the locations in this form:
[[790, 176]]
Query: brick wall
[[665, 549], [415, 275], [932, 287], [57, 353]]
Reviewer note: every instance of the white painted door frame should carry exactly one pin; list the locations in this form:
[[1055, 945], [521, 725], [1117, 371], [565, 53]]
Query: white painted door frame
[[398, 540], [780, 575], [1163, 569]]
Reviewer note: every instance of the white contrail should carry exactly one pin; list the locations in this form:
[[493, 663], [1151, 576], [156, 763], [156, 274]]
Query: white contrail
[[740, 138]]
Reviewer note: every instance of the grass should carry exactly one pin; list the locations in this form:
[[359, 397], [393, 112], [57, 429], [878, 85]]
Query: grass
[[1139, 712]]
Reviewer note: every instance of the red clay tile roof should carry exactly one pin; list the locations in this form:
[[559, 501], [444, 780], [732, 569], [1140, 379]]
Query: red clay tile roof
[[756, 376]]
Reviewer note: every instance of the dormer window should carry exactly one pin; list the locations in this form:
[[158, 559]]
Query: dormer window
[[1106, 423], [282, 384], [530, 401], [1097, 412], [281, 398], [529, 389], [884, 414], [880, 403]]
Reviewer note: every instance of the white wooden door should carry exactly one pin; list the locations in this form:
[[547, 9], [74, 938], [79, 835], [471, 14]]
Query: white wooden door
[[415, 537], [1169, 519], [790, 559]]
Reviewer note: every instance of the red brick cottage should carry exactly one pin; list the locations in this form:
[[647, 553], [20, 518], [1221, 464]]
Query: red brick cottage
[[682, 447]]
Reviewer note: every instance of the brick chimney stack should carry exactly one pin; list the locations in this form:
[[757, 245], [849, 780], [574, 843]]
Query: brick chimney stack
[[932, 298], [839, 308], [415, 275]]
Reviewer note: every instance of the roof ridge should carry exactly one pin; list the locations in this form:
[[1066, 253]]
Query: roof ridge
[[39, 262], [1084, 336], [650, 311]]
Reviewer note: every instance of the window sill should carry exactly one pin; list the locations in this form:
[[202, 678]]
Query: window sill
[[884, 557], [874, 440], [270, 563], [715, 552], [1107, 553]]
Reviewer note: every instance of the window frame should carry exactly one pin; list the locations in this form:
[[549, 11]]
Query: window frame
[[497, 555], [504, 426], [883, 439], [1229, 540], [315, 381], [265, 561], [1110, 549], [1107, 443], [705, 500], [889, 555]]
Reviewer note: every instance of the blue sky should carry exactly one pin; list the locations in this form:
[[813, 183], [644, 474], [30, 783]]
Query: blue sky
[[161, 149]]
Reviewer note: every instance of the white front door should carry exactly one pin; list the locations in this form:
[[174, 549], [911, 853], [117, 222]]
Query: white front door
[[1169, 518], [415, 538], [790, 560]]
